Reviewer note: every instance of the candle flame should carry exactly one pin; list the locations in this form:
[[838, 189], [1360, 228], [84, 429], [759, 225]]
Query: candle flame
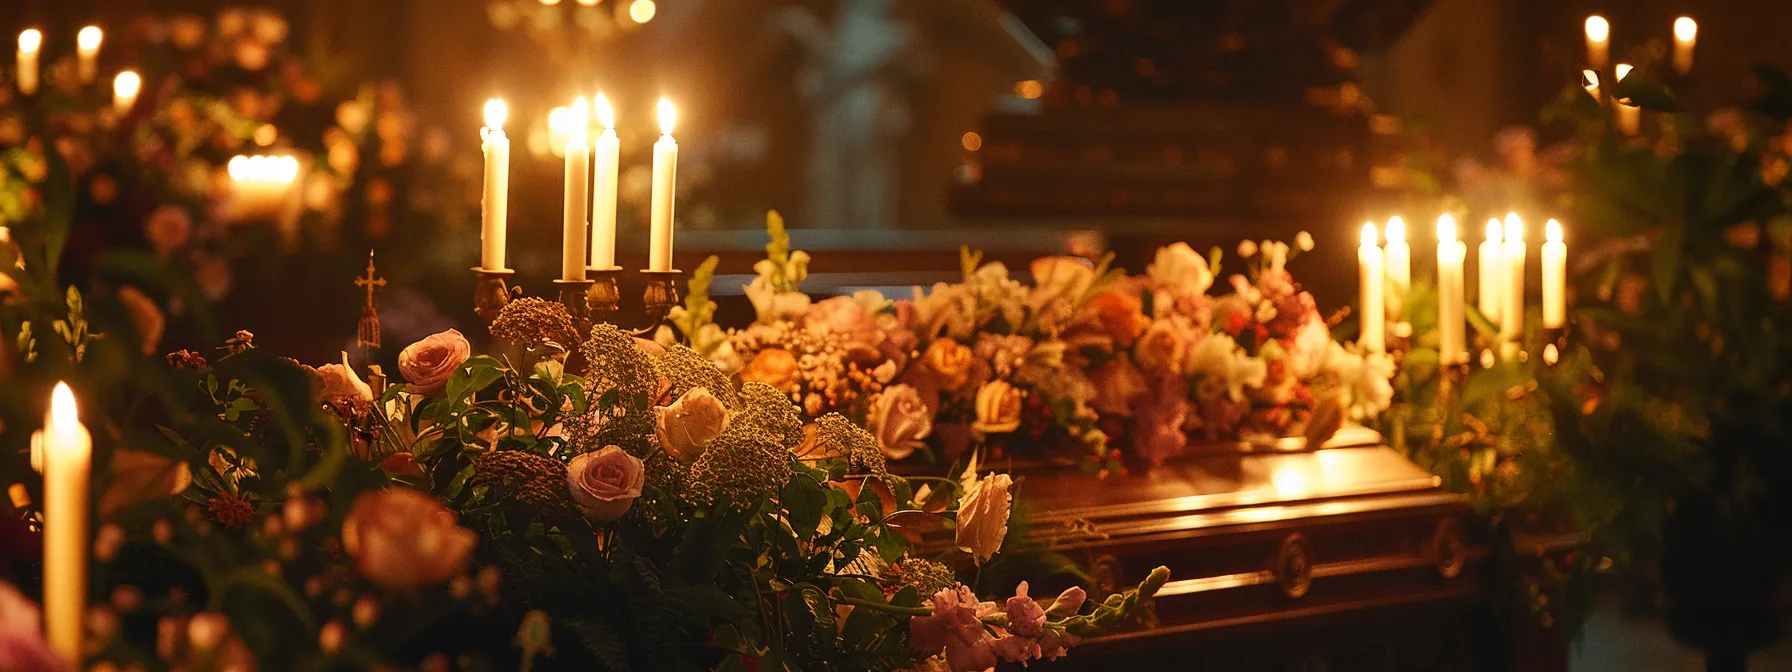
[[127, 84], [1589, 80], [1598, 29], [89, 38], [1623, 70], [31, 40], [579, 118], [1446, 228], [1369, 234], [1552, 230], [667, 116], [64, 415], [1493, 231], [269, 169], [1396, 230], [1514, 228], [495, 112], [559, 120], [605, 115], [641, 11], [1685, 29]]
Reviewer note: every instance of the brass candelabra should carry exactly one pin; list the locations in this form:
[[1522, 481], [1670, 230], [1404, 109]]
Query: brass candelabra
[[595, 300]]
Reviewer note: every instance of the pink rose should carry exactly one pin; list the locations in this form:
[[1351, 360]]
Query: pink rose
[[605, 483], [953, 628], [404, 539], [983, 516], [687, 426], [429, 363], [22, 644], [845, 316], [900, 420], [336, 382]]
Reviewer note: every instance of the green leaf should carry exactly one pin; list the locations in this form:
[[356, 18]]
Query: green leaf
[[1638, 89], [811, 617], [804, 502]]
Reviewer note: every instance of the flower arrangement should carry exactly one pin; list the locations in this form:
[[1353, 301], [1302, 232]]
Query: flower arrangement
[[599, 503], [1084, 356]]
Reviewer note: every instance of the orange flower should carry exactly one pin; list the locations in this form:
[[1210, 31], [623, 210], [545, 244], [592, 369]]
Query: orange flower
[[773, 366], [950, 361]]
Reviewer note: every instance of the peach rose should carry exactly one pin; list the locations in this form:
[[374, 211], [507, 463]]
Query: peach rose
[[998, 408], [950, 361], [687, 426], [773, 366], [605, 483], [335, 382], [900, 420], [429, 363], [1120, 316], [404, 539]]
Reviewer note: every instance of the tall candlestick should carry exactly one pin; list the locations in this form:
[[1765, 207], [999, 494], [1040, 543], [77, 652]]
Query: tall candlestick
[[125, 88], [1374, 317], [1599, 41], [31, 40], [1399, 269], [1686, 34], [665, 183], [578, 193], [1512, 316], [67, 453], [87, 53], [1630, 117], [605, 166], [1492, 267], [1555, 276], [1452, 344], [494, 208]]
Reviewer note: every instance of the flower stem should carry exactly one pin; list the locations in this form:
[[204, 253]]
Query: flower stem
[[885, 607]]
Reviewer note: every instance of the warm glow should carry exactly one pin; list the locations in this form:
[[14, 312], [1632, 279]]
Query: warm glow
[[971, 141], [1589, 80], [265, 169], [65, 417], [1446, 228], [605, 115], [1029, 89], [31, 40], [1396, 230], [579, 118], [588, 3], [1514, 228], [89, 38], [1598, 30], [1288, 482], [1493, 230], [1369, 234], [560, 120], [126, 85], [1685, 29], [1552, 231], [495, 112], [550, 2], [1622, 70], [641, 10], [667, 116]]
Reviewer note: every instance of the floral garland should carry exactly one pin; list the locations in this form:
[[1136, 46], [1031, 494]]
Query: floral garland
[[1086, 356]]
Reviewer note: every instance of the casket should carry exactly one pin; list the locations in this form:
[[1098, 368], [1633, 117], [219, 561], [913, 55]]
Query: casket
[[1346, 557]]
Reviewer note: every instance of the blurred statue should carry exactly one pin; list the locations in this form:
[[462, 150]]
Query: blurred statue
[[857, 80]]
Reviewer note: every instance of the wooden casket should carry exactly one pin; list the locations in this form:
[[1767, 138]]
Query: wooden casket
[[1349, 557]]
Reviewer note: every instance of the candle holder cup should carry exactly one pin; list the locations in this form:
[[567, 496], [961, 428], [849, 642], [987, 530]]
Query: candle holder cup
[[603, 300], [490, 293]]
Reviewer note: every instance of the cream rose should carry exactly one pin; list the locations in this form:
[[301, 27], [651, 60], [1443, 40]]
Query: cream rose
[[429, 363], [405, 539], [605, 483], [336, 382], [1181, 269], [998, 408], [900, 420], [983, 516], [687, 426]]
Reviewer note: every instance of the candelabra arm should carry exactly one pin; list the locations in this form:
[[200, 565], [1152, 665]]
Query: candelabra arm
[[659, 298], [573, 295], [603, 299]]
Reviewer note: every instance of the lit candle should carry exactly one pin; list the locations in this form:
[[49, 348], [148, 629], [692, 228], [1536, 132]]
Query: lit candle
[[578, 193], [1452, 346], [606, 161], [1374, 317], [1630, 117], [125, 88], [665, 183], [30, 41], [87, 53], [1398, 258], [1492, 272], [1555, 276], [1686, 34], [67, 453], [1512, 322], [1599, 41], [1589, 80], [494, 209]]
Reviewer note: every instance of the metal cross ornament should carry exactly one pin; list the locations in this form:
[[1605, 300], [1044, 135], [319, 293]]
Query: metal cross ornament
[[367, 332]]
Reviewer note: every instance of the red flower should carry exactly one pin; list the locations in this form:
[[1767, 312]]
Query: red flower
[[230, 511]]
